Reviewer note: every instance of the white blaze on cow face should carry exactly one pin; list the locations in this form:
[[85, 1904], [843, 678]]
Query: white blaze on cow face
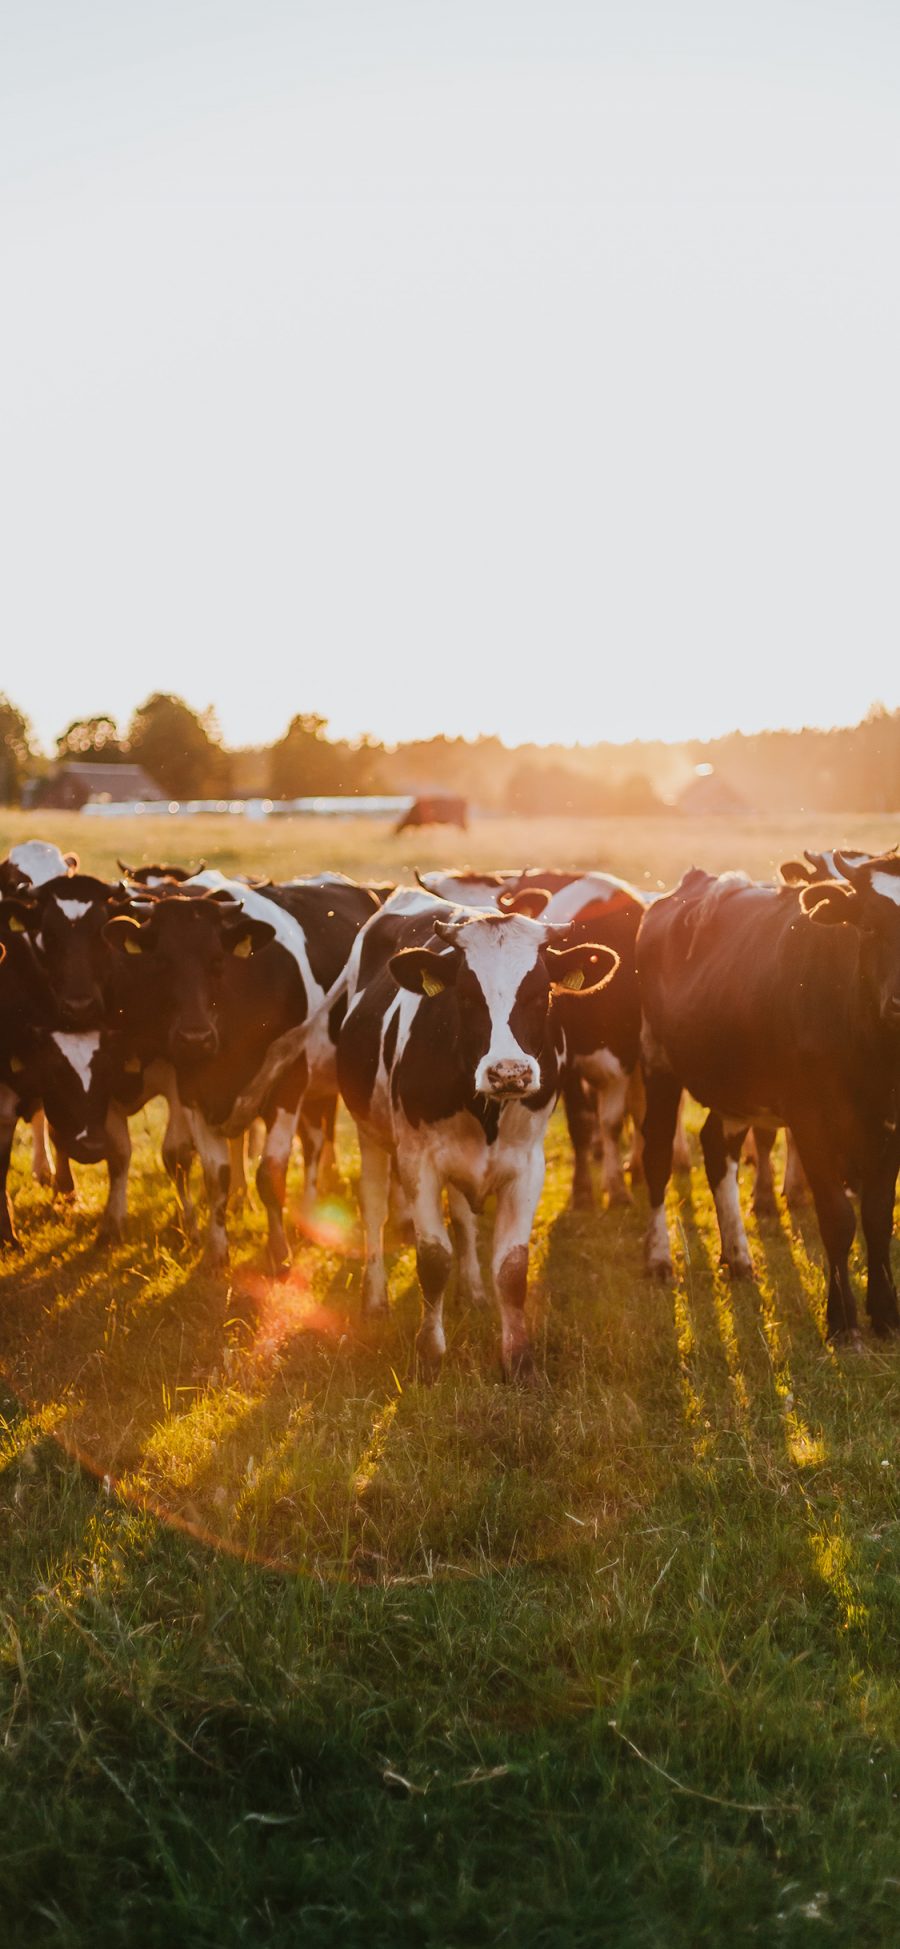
[[74, 909], [79, 1052], [500, 954], [39, 861]]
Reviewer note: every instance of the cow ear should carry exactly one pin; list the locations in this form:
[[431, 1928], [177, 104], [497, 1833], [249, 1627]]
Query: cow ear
[[795, 873], [15, 915], [126, 934], [529, 901], [830, 903], [423, 971], [581, 970], [244, 936]]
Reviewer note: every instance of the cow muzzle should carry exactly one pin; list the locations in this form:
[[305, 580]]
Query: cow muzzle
[[80, 1012], [511, 1077], [192, 1044]]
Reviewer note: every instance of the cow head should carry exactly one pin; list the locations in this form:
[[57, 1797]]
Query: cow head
[[175, 955], [64, 919], [158, 875], [502, 972], [867, 897], [816, 867]]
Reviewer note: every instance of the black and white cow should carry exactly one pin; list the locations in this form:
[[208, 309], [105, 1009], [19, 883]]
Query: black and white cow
[[30, 864], [778, 1006], [68, 1073], [213, 976], [602, 1078], [450, 1058]]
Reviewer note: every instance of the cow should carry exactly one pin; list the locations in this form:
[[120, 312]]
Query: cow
[[30, 863], [209, 978], [157, 875], [450, 1057], [435, 810], [778, 1005], [68, 1073], [807, 871], [602, 1077]]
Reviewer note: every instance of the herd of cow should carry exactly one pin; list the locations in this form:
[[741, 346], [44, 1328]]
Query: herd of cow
[[450, 1017]]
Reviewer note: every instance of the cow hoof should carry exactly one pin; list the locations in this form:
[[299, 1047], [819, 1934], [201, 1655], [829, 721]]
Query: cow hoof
[[429, 1358], [110, 1231], [846, 1339], [620, 1195], [741, 1268], [520, 1367], [214, 1261], [44, 1178], [280, 1269], [660, 1269], [474, 1297], [765, 1207]]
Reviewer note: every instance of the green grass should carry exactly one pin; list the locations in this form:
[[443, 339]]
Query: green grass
[[301, 1653], [393, 1701]]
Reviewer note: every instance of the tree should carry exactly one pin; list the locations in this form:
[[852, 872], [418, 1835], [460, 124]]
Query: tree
[[94, 740], [305, 764], [179, 749], [15, 751]]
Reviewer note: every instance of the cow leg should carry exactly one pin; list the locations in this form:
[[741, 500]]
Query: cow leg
[[681, 1150], [795, 1189], [316, 1128], [764, 1204], [612, 1093], [9, 1116], [434, 1260], [517, 1202], [237, 1171], [636, 1104], [271, 1180], [374, 1190], [837, 1225], [721, 1152], [660, 1119], [465, 1242], [582, 1122], [876, 1210], [63, 1181], [213, 1149], [118, 1161], [41, 1162], [178, 1154]]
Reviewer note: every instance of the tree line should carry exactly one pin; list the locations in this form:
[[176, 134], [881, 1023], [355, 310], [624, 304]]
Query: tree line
[[851, 768]]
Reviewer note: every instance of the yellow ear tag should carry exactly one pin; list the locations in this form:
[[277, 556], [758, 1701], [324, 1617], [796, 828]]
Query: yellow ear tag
[[574, 979], [16, 926], [430, 985], [133, 1066], [243, 947], [130, 945], [16, 1065]]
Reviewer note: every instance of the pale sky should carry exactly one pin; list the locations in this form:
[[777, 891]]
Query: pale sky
[[519, 366]]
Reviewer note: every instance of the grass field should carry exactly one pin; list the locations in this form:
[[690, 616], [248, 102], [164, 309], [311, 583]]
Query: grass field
[[293, 1651]]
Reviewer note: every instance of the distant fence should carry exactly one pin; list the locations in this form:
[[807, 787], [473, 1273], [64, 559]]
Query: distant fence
[[329, 808]]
